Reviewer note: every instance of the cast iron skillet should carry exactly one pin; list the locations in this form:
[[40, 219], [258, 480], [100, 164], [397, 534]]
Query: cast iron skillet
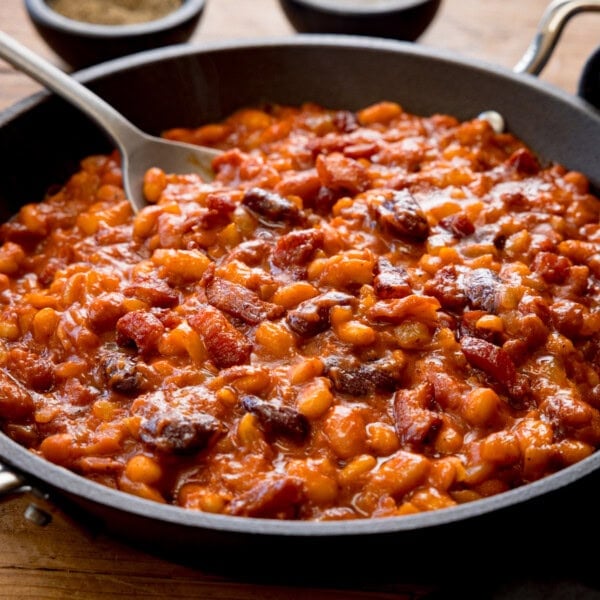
[[532, 526]]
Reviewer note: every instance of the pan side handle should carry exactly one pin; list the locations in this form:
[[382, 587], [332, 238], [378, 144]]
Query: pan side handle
[[550, 27], [11, 483]]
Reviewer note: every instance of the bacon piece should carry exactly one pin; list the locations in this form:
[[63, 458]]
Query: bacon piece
[[140, 327], [155, 292], [339, 172], [459, 224], [396, 310], [240, 302], [277, 496], [495, 362], [294, 250], [390, 281], [105, 310], [416, 423], [446, 285], [226, 345]]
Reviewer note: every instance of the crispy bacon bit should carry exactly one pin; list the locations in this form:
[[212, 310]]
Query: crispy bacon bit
[[390, 281], [524, 161], [396, 310], [294, 250], [226, 345], [240, 302], [276, 497], [459, 224], [271, 206], [140, 327], [552, 267], [154, 292], [416, 422], [446, 285], [278, 420], [105, 310], [401, 215], [251, 253], [312, 316], [339, 172], [495, 362]]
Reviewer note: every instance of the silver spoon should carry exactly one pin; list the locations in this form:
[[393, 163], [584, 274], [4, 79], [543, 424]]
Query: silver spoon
[[139, 151]]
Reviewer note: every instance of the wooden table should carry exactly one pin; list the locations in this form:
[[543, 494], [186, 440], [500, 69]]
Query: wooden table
[[61, 560]]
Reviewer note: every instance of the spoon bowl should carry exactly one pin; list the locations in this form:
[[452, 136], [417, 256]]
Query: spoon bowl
[[139, 150]]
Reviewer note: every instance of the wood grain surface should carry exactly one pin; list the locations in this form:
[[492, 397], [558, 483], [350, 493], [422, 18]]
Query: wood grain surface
[[63, 560]]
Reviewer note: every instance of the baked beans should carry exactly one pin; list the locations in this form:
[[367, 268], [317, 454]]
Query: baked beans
[[365, 314]]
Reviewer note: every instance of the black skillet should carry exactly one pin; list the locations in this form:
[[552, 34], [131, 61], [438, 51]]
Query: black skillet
[[532, 527]]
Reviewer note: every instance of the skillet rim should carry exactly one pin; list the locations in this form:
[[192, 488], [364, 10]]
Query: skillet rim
[[64, 482]]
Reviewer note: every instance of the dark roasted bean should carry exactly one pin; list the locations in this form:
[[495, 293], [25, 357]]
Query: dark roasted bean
[[121, 373], [271, 206], [278, 420], [350, 376], [312, 316], [402, 216], [175, 433]]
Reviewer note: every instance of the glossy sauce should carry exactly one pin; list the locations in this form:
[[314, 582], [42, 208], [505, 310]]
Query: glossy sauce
[[365, 315]]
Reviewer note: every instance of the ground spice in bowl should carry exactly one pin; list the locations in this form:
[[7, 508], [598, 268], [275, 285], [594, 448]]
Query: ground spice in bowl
[[114, 12]]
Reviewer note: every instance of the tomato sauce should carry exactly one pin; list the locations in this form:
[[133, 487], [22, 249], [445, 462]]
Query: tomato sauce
[[365, 314]]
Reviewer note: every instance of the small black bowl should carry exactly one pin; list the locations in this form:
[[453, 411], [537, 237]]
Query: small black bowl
[[82, 44], [397, 19]]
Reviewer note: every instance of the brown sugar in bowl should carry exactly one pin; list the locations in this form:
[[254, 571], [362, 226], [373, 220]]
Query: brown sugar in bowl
[[81, 44]]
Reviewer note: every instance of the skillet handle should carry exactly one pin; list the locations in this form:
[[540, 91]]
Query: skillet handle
[[11, 483], [550, 27]]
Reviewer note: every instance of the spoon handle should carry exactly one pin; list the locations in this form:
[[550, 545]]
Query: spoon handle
[[115, 124]]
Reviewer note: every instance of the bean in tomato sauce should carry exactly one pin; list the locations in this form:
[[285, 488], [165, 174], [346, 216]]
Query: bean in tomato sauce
[[365, 314]]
